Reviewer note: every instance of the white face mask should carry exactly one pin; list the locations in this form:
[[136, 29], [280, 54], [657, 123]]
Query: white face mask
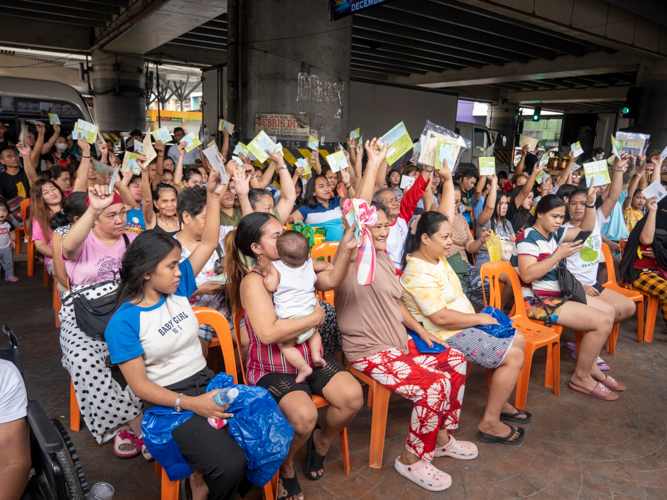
[[61, 146]]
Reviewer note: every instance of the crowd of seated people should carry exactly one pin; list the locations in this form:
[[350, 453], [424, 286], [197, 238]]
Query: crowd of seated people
[[160, 241]]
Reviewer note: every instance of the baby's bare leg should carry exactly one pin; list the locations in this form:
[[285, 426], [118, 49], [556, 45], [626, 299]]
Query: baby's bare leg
[[294, 358], [315, 343]]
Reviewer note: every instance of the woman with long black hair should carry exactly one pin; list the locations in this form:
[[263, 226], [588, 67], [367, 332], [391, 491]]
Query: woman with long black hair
[[539, 249], [153, 337]]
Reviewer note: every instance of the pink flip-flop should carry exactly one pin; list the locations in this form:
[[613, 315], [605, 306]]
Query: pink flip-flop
[[424, 474], [599, 392], [613, 384], [125, 436], [463, 450]]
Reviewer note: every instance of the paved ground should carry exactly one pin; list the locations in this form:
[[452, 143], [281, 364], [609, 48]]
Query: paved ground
[[576, 447]]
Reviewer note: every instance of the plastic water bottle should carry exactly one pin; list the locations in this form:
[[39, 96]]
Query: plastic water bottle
[[224, 397], [101, 491]]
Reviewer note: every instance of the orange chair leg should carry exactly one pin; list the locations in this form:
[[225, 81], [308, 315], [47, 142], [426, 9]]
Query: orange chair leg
[[31, 259], [345, 451], [651, 313], [378, 425], [270, 489], [611, 341], [369, 403], [549, 371], [169, 488], [46, 277], [524, 378], [19, 240], [74, 413], [56, 303], [555, 352], [640, 322]]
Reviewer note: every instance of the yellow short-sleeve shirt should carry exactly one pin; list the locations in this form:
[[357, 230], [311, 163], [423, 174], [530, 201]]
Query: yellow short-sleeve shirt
[[428, 288]]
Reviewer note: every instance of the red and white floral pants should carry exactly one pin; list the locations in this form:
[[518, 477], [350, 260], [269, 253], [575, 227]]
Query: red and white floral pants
[[434, 382]]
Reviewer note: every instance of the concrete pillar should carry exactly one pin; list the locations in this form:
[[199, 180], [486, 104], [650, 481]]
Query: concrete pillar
[[120, 87], [503, 118], [295, 61], [652, 76]]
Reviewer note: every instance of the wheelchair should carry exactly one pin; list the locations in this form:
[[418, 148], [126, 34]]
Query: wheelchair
[[56, 472]]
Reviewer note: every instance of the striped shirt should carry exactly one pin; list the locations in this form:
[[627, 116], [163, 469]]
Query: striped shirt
[[530, 242], [330, 218]]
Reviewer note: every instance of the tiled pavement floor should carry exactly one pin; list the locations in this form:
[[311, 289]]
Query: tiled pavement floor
[[576, 447]]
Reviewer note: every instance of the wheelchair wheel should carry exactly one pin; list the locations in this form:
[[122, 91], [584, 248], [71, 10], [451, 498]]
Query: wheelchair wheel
[[75, 479]]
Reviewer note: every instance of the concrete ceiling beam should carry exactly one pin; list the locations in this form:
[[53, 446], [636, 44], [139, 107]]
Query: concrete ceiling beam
[[606, 94], [563, 67], [136, 33]]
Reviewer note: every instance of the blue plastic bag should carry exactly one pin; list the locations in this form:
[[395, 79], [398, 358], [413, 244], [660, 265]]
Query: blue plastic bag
[[258, 426], [502, 330]]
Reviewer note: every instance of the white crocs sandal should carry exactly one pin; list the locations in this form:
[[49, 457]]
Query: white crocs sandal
[[125, 437], [424, 474], [463, 450]]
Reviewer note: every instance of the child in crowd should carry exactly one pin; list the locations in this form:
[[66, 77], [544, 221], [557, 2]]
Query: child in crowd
[[7, 242], [292, 282], [635, 212]]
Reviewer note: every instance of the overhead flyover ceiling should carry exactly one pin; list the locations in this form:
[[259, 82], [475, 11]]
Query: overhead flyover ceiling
[[565, 54]]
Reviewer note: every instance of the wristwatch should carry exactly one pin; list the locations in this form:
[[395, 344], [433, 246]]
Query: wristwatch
[[177, 404], [280, 167]]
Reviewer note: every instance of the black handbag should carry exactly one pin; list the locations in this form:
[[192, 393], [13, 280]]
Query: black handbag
[[570, 286], [93, 315]]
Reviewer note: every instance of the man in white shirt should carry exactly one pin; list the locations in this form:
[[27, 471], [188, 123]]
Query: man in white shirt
[[15, 460], [190, 158]]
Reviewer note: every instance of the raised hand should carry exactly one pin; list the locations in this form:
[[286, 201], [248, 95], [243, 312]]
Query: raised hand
[[83, 146], [24, 149], [374, 152], [276, 157], [566, 250], [99, 197], [214, 186], [159, 146], [591, 195], [241, 182], [652, 205], [299, 171], [104, 149], [181, 149], [444, 172], [56, 130], [141, 161], [41, 128], [345, 176]]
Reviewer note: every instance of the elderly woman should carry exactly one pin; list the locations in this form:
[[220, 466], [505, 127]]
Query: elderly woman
[[250, 253], [92, 251], [433, 295], [371, 319]]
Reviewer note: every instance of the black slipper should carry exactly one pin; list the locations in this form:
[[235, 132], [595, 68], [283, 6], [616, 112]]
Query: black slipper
[[488, 438], [314, 461], [288, 487], [513, 417]]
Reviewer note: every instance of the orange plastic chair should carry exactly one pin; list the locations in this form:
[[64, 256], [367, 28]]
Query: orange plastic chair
[[326, 251], [378, 400], [25, 207], [271, 489], [536, 334], [214, 318], [653, 303], [20, 232], [56, 302], [74, 413]]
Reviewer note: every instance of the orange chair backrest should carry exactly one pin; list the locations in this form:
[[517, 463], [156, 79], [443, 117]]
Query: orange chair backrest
[[622, 243], [611, 272], [237, 333], [326, 250], [492, 271], [213, 317], [25, 214]]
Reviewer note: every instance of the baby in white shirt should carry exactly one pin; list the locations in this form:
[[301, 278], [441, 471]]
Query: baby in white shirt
[[292, 282]]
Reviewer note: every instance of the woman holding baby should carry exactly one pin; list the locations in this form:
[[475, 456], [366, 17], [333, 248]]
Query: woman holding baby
[[256, 240]]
